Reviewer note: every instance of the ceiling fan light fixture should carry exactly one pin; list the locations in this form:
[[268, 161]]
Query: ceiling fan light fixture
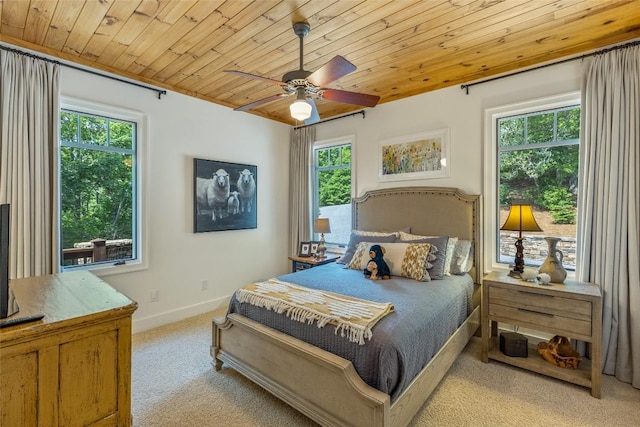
[[300, 108]]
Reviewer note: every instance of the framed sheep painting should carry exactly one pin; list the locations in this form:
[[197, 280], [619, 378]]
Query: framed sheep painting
[[225, 196]]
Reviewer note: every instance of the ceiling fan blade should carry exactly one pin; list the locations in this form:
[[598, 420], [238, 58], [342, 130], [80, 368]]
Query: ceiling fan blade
[[253, 76], [262, 101], [332, 70], [315, 117], [350, 97]]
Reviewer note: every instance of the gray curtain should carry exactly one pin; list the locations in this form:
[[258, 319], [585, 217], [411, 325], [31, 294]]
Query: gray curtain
[[29, 99], [609, 206], [300, 167]]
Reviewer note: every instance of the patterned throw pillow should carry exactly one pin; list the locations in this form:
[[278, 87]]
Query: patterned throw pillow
[[451, 245], [437, 270], [411, 260]]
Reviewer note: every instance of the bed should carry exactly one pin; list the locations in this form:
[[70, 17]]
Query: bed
[[326, 387]]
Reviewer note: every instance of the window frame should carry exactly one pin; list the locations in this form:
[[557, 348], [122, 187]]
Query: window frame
[[491, 228], [140, 255], [315, 209]]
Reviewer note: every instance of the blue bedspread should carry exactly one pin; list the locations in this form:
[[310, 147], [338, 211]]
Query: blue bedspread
[[425, 316]]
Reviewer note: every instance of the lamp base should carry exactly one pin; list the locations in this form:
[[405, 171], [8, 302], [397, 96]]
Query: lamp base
[[518, 267], [320, 252], [516, 274]]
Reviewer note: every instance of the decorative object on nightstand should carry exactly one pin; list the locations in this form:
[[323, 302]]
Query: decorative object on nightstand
[[529, 274], [520, 219], [305, 249], [514, 344], [553, 264], [321, 226], [544, 279], [559, 352]]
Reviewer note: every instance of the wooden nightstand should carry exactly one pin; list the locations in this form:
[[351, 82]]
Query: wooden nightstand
[[299, 263], [572, 309]]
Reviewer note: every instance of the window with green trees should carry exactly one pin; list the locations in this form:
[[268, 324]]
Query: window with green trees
[[538, 156], [332, 189], [97, 189]]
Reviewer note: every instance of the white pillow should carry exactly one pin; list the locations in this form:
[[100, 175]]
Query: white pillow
[[411, 260], [451, 247], [462, 260]]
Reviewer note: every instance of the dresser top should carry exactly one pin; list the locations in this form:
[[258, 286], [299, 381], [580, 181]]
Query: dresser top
[[66, 299]]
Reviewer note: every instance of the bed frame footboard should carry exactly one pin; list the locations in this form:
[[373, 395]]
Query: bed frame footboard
[[321, 385]]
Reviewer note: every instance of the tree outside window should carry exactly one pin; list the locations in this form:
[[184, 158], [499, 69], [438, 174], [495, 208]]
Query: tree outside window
[[97, 189], [538, 155], [333, 190]]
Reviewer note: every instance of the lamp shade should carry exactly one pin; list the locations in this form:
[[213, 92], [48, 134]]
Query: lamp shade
[[521, 219], [322, 226]]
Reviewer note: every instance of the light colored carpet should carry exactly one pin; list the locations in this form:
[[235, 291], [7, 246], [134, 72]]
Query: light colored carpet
[[174, 384]]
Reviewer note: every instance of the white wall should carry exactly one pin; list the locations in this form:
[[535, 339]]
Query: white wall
[[446, 108], [179, 129]]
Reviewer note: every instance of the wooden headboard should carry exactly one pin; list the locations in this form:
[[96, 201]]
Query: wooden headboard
[[429, 211]]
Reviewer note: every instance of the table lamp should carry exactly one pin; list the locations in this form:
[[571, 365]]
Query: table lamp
[[321, 226], [520, 219]]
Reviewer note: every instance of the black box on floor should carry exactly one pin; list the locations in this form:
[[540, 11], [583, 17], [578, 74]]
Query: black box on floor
[[513, 344]]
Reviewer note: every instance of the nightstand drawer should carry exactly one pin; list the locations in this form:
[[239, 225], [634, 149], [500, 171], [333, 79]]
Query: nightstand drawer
[[541, 319], [541, 303]]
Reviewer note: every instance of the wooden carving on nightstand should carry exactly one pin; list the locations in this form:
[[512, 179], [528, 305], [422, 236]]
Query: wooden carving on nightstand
[[559, 352]]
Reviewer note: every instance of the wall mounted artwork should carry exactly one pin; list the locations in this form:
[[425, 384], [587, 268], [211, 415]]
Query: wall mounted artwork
[[225, 196], [419, 156]]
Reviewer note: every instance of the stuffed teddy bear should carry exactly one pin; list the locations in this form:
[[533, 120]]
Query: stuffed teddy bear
[[377, 268]]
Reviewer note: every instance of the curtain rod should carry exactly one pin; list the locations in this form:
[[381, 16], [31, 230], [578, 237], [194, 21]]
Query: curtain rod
[[31, 55], [332, 118], [599, 52]]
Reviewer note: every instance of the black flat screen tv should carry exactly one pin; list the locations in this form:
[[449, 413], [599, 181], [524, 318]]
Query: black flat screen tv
[[4, 261]]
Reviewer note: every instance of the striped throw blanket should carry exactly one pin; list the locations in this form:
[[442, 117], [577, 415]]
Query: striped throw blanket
[[353, 317]]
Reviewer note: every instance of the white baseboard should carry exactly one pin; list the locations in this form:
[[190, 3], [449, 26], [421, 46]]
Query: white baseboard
[[145, 323]]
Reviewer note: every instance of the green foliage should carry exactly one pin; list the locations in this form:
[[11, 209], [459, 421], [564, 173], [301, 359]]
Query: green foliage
[[334, 175], [335, 187], [546, 176], [96, 183], [561, 205]]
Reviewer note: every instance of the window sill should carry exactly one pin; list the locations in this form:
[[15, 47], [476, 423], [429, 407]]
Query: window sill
[[110, 268]]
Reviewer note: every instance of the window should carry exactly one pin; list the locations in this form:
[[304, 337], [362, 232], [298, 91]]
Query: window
[[536, 156], [332, 187], [99, 186]]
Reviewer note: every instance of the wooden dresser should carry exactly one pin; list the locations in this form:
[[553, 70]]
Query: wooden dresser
[[72, 368], [572, 309]]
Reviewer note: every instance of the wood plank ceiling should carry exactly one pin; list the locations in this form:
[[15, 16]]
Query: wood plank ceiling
[[400, 47]]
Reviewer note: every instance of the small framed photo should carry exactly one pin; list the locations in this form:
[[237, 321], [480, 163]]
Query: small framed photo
[[314, 247], [305, 249]]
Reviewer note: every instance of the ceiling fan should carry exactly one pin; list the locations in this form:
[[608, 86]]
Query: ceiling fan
[[306, 85]]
